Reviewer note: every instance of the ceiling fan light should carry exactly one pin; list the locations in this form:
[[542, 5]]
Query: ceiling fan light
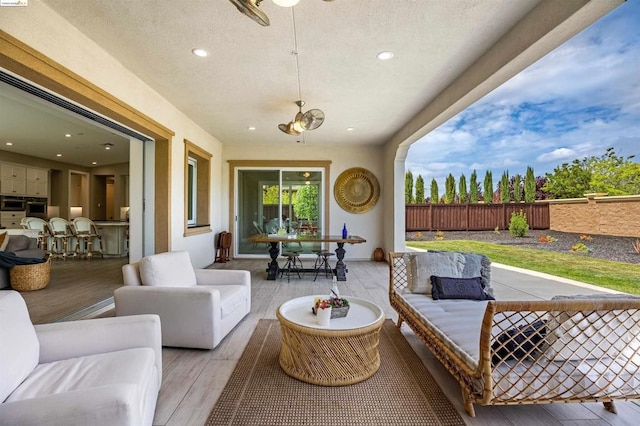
[[286, 3], [297, 123], [288, 129]]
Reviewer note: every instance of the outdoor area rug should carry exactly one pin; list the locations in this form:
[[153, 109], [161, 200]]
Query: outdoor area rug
[[402, 392]]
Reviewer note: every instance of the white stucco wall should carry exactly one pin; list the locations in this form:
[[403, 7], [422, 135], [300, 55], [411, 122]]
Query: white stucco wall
[[367, 225], [42, 29]]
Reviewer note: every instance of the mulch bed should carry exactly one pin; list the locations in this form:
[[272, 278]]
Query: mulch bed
[[606, 247]]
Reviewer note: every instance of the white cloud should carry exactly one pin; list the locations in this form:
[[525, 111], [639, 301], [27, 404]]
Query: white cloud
[[559, 154], [576, 102]]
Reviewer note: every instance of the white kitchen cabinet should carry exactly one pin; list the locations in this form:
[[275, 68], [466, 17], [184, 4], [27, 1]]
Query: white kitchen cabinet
[[11, 220], [37, 182], [114, 237], [13, 179]]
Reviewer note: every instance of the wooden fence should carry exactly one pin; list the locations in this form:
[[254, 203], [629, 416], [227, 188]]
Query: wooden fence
[[472, 217]]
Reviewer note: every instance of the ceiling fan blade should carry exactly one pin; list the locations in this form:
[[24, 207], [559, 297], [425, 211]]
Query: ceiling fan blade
[[251, 9], [288, 129], [312, 119]]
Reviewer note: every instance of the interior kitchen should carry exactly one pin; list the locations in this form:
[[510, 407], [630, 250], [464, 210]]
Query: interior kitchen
[[54, 164]]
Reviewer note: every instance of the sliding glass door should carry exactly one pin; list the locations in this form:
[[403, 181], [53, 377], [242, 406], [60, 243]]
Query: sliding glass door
[[271, 200]]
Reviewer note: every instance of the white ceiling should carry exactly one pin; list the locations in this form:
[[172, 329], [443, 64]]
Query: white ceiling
[[250, 79], [37, 128]]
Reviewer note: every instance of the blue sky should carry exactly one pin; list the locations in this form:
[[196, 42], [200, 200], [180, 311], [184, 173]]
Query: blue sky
[[580, 99]]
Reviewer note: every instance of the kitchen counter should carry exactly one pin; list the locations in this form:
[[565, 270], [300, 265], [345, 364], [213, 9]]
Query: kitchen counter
[[114, 237]]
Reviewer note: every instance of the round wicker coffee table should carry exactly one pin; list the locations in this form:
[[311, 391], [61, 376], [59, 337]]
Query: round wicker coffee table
[[344, 353]]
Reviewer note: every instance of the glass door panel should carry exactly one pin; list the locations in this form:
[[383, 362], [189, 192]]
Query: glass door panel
[[270, 200]]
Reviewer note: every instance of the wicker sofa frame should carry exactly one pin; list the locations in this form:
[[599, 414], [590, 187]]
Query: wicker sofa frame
[[603, 375]]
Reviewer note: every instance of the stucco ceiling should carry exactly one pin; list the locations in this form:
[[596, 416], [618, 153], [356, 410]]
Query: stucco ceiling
[[249, 79]]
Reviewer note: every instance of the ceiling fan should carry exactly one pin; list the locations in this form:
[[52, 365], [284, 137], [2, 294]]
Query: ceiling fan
[[309, 120], [251, 8]]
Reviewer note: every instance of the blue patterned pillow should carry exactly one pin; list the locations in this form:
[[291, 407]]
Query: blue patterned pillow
[[458, 288]]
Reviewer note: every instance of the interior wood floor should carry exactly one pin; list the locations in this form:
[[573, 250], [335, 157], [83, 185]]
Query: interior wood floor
[[74, 284], [193, 379]]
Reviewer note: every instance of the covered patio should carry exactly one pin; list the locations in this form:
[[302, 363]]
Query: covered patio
[[194, 379]]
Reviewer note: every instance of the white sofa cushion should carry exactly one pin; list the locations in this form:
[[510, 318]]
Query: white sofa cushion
[[127, 377], [232, 297], [16, 331], [170, 269]]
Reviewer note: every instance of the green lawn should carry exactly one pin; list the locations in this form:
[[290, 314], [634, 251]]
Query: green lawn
[[619, 276]]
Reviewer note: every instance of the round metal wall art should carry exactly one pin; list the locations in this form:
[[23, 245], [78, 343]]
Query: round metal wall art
[[356, 190]]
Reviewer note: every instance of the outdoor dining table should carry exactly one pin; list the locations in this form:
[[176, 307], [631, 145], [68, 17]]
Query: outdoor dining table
[[274, 251]]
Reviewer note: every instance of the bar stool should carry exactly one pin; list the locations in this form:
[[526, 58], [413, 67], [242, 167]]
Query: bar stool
[[322, 264], [293, 264]]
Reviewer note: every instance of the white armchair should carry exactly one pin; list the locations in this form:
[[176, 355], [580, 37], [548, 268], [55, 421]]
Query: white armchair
[[197, 307], [94, 372]]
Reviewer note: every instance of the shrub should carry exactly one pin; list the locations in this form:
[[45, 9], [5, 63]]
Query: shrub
[[547, 239], [518, 226], [636, 246], [439, 236], [581, 248], [585, 237]]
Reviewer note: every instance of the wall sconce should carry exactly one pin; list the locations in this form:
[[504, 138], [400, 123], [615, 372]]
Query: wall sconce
[[75, 211]]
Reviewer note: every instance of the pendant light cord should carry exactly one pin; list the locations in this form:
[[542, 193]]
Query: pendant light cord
[[295, 50]]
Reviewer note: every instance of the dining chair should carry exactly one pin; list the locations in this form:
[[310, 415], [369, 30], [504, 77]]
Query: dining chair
[[64, 241]]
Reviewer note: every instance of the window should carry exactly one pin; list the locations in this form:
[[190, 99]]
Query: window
[[197, 179]]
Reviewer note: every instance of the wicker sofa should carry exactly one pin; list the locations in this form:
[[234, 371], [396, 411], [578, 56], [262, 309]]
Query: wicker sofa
[[568, 349]]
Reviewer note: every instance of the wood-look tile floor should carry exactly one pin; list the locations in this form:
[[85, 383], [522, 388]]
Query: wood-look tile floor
[[193, 379]]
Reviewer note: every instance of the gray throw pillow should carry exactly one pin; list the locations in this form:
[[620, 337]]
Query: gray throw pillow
[[458, 288]]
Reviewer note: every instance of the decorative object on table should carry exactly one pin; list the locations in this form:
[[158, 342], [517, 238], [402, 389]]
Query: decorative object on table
[[378, 255], [356, 190], [323, 313], [344, 231], [339, 305]]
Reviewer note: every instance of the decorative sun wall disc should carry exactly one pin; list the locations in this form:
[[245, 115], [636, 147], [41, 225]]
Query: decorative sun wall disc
[[356, 190]]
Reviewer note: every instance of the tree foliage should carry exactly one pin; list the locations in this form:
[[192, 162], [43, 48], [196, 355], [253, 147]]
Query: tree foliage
[[473, 188], [449, 189], [529, 186], [408, 188], [271, 195], [505, 196], [488, 188], [419, 190], [306, 202], [517, 188], [462, 189], [609, 173], [435, 197]]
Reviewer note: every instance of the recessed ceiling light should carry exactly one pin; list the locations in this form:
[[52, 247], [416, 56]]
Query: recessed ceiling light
[[107, 145], [94, 162], [200, 52], [251, 128], [9, 144], [68, 135], [349, 129], [384, 55], [58, 155]]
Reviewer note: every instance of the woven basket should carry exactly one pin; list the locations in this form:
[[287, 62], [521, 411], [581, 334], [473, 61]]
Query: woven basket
[[30, 277]]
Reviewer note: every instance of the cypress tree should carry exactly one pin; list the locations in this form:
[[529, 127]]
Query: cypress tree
[[408, 188], [473, 188], [517, 191], [419, 190], [505, 196], [450, 189], [434, 192], [462, 189], [488, 188], [529, 186]]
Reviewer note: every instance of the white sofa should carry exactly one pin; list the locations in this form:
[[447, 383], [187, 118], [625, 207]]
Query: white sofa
[[197, 307], [93, 372]]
